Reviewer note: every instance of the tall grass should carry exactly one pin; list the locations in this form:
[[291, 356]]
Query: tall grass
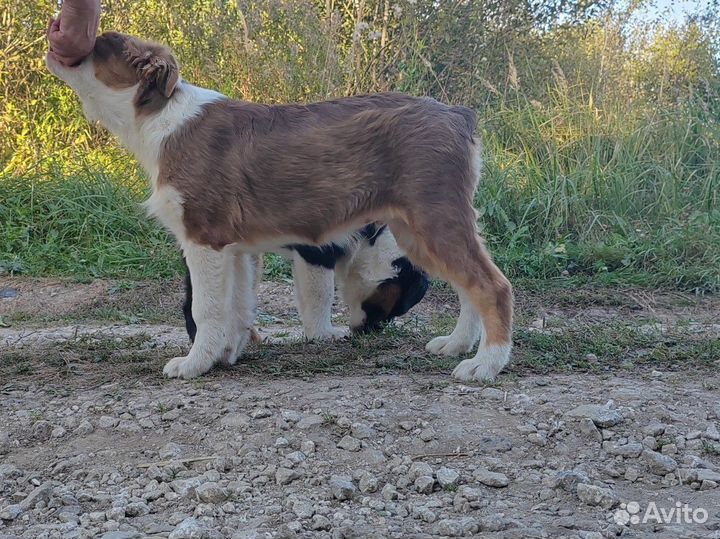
[[86, 225], [602, 142]]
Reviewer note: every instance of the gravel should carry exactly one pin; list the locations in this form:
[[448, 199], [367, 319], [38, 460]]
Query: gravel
[[260, 458]]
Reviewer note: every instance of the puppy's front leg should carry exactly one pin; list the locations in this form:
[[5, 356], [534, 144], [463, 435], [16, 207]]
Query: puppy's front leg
[[314, 293], [217, 338], [241, 302]]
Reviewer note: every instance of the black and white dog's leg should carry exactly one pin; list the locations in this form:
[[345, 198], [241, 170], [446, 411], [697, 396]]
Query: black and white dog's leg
[[216, 339], [464, 336], [314, 293]]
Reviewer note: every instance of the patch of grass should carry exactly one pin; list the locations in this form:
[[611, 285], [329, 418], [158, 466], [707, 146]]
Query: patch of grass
[[710, 449], [611, 344], [161, 408], [85, 226]]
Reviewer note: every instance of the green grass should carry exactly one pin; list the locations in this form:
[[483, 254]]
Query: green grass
[[84, 226], [91, 225]]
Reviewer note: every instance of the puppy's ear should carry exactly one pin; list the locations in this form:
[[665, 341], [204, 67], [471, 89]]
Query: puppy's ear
[[156, 68]]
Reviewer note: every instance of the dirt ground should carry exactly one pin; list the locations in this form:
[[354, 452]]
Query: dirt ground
[[605, 425]]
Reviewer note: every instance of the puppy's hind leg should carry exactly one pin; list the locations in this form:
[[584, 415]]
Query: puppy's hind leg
[[459, 256], [314, 293], [210, 271]]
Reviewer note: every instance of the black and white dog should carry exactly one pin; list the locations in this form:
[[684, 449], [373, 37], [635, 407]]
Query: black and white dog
[[375, 280]]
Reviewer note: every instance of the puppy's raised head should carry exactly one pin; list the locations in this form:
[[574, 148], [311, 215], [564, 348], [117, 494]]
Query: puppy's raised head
[[122, 73]]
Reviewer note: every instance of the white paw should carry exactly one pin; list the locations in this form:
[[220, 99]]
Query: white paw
[[446, 346], [472, 369], [328, 334], [182, 367]]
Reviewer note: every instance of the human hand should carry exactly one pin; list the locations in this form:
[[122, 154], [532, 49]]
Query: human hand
[[71, 35]]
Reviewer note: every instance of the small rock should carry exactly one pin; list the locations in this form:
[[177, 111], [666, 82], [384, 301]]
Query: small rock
[[447, 477], [39, 494], [309, 421], [389, 492], [211, 493], [419, 468], [42, 430], [654, 428], [712, 433], [307, 447], [342, 488], [368, 483], [320, 522], [4, 443], [11, 512], [588, 428], [192, 528], [669, 449], [603, 416], [424, 484], [260, 413], [303, 509], [84, 428], [348, 443], [136, 509], [427, 435], [282, 442], [631, 450], [703, 474], [537, 438], [235, 421], [632, 474], [296, 457], [658, 463], [361, 431], [107, 422], [406, 425], [491, 479], [569, 480], [285, 476], [650, 442], [58, 432], [455, 528], [492, 394], [291, 416], [593, 495], [117, 534], [171, 450]]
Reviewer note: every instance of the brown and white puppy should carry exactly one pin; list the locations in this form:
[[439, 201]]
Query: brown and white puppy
[[375, 280], [230, 178]]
